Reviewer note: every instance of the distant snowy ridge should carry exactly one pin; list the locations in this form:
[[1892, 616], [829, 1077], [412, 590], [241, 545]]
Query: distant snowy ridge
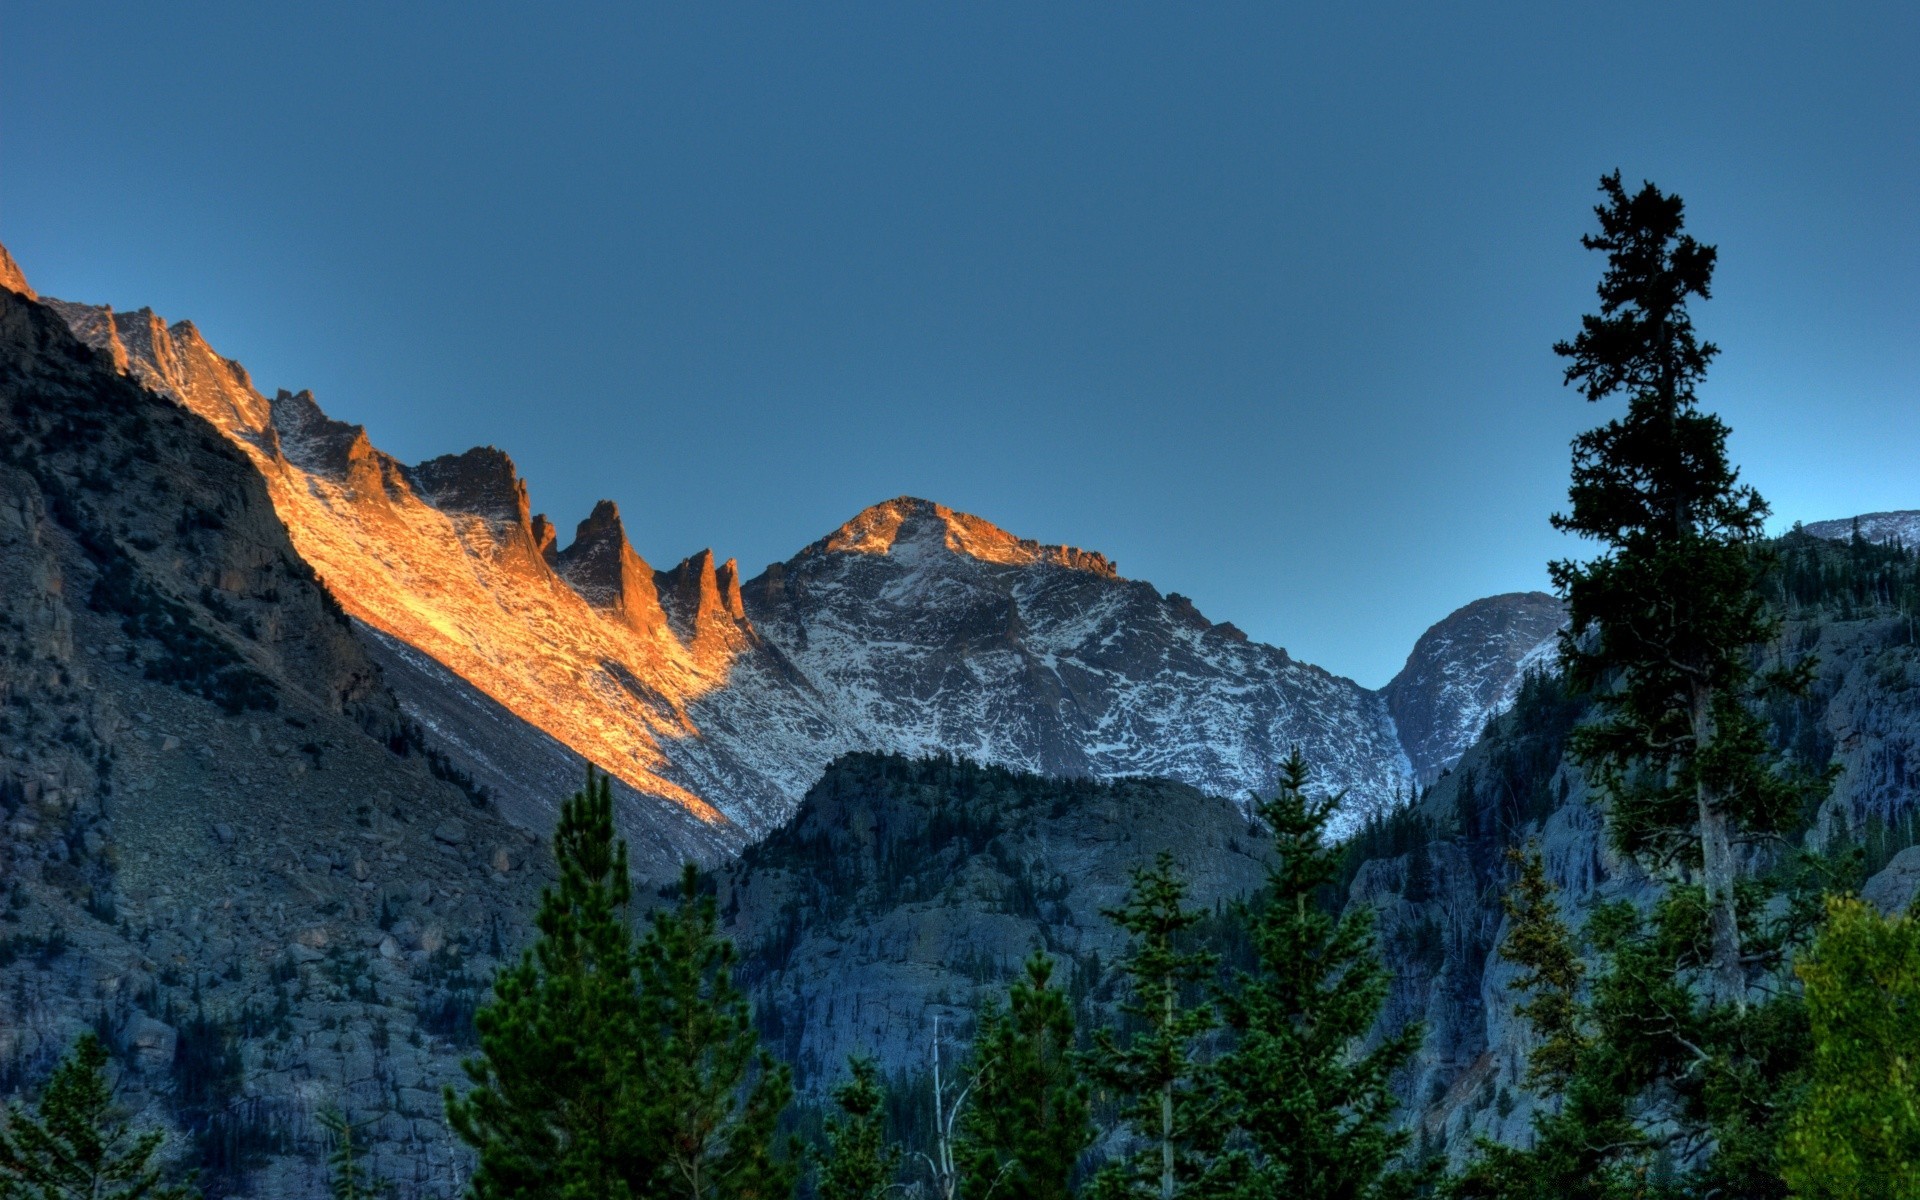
[[1902, 527]]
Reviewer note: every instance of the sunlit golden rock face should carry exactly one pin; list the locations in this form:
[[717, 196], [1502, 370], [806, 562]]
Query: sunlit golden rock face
[[876, 530], [446, 557]]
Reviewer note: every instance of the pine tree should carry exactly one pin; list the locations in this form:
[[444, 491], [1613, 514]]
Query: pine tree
[[1665, 621], [1156, 1073], [558, 1082], [76, 1148], [1028, 1122], [1854, 1133], [860, 1163], [348, 1177], [714, 1097], [1539, 942], [1316, 1115], [1675, 1061]]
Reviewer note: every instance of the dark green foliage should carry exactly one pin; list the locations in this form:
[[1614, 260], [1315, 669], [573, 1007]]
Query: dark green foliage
[[556, 1084], [610, 1069], [859, 1162], [1665, 622], [1854, 1133], [450, 998], [1027, 1122], [1157, 1074], [410, 738], [1314, 1117], [1848, 580], [1670, 1068], [712, 1097], [76, 1147], [232, 1133]]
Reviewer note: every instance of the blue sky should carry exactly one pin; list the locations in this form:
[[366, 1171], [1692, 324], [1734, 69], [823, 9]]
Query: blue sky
[[1256, 299]]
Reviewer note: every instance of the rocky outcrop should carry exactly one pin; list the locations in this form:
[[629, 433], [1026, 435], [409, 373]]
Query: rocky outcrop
[[11, 278], [602, 566], [1466, 670]]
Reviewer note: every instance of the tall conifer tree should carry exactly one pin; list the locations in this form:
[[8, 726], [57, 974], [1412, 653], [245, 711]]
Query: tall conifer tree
[[1316, 1115], [1156, 1073], [1675, 1061], [557, 1083], [1666, 620], [712, 1095], [1028, 1120]]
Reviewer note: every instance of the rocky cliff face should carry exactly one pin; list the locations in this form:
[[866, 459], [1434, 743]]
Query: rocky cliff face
[[220, 844], [1468, 669], [1434, 874]]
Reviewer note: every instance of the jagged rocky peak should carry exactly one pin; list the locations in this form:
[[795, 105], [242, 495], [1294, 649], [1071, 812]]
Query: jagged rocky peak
[[1466, 669], [12, 278], [1902, 527], [481, 482], [602, 566], [309, 438], [546, 540], [174, 361], [700, 597], [908, 526]]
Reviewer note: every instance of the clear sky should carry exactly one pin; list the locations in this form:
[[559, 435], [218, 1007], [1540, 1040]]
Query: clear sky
[[1256, 299]]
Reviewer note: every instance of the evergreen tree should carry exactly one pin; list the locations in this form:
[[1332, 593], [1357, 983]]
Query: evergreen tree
[[558, 1081], [1156, 1073], [713, 1097], [76, 1148], [1855, 1131], [1539, 942], [348, 1178], [1028, 1120], [860, 1164], [1675, 1063], [1315, 1115], [1664, 623]]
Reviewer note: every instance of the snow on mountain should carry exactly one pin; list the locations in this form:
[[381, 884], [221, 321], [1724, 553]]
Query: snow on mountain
[[932, 630], [716, 704], [1468, 669], [1902, 527]]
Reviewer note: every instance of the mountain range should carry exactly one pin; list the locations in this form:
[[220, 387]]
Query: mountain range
[[716, 700], [281, 719]]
